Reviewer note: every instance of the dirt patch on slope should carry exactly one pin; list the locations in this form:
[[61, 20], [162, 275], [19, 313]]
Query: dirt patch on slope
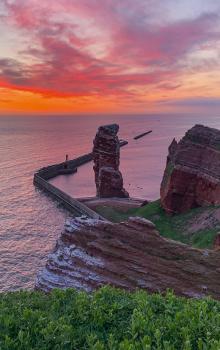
[[208, 219]]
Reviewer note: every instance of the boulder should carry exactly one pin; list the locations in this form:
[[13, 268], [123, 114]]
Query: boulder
[[145, 202], [192, 174]]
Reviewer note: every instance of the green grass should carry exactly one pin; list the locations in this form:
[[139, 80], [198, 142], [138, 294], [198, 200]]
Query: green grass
[[108, 319], [173, 227]]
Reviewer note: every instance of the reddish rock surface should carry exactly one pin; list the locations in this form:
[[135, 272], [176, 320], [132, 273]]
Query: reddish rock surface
[[216, 244], [111, 183], [192, 174], [106, 156], [130, 255]]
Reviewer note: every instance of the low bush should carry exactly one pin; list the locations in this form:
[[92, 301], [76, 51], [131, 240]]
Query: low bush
[[107, 319]]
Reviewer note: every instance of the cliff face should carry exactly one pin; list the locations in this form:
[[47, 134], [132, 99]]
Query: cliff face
[[130, 255], [192, 174], [106, 156]]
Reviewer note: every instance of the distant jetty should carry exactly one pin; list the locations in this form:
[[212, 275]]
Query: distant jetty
[[142, 135]]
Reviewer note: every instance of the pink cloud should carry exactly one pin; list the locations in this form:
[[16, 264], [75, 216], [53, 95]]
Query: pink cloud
[[137, 53], [161, 45]]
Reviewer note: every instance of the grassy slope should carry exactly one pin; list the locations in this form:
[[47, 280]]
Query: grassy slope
[[107, 319], [174, 227]]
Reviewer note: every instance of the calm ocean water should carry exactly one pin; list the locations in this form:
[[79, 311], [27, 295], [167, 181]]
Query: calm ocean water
[[30, 221]]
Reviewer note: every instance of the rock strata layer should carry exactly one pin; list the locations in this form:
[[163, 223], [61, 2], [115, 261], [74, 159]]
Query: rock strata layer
[[91, 253], [106, 156], [192, 174]]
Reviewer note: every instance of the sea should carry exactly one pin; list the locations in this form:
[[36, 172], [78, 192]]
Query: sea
[[30, 221]]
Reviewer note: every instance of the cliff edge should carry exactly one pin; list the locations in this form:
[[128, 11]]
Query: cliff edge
[[91, 253]]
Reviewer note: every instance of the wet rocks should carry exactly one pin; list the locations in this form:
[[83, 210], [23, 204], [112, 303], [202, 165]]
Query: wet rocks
[[91, 253], [192, 174], [106, 156]]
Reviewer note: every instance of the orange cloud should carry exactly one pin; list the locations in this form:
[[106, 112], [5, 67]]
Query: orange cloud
[[108, 55]]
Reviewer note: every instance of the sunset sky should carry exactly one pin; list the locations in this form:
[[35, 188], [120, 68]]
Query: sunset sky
[[109, 56]]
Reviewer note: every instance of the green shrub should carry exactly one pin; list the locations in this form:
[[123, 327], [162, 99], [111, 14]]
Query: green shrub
[[108, 319]]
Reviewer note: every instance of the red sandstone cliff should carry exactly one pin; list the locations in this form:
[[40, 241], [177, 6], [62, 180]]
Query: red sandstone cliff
[[128, 255], [192, 174]]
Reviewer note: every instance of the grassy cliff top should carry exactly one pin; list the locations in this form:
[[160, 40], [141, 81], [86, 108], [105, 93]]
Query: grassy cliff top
[[198, 227]]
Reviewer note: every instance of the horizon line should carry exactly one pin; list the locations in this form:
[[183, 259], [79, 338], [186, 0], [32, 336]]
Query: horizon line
[[95, 114]]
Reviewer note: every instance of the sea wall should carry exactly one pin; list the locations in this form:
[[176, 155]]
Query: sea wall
[[63, 168], [42, 176]]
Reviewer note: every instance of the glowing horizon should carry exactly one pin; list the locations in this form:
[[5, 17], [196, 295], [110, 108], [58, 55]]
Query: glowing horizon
[[109, 56]]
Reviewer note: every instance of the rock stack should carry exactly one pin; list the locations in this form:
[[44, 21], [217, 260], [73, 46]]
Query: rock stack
[[106, 156], [192, 174]]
